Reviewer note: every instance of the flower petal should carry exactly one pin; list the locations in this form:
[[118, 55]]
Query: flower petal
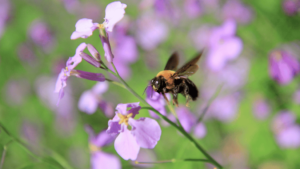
[[101, 160], [107, 48], [88, 75], [186, 118], [100, 87], [200, 130], [113, 125], [103, 139], [90, 59], [84, 28], [126, 145], [94, 52], [114, 12], [147, 131], [76, 59], [122, 108], [88, 102], [60, 82]]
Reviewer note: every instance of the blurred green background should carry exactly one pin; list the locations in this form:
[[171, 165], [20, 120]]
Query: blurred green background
[[29, 118]]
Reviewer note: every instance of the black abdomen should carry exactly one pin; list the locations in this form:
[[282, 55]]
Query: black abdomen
[[193, 91], [186, 84]]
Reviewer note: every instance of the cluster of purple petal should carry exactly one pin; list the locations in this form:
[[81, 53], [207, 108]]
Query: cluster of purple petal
[[144, 132], [283, 66], [91, 100], [72, 62]]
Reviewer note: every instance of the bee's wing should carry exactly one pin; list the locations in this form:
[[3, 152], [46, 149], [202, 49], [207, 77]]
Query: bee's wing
[[172, 62], [189, 68]]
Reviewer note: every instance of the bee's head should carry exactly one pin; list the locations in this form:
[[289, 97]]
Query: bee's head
[[155, 83]]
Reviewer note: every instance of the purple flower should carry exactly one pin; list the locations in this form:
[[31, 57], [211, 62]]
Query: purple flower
[[186, 118], [157, 101], [283, 66], [287, 132], [189, 122], [223, 45], [114, 12], [283, 120], [84, 28], [192, 8], [224, 108], [200, 130], [95, 60], [91, 100], [125, 48], [72, 62], [291, 7], [150, 31], [41, 35], [100, 159], [261, 108], [235, 9], [289, 138], [107, 48], [4, 14], [145, 132]]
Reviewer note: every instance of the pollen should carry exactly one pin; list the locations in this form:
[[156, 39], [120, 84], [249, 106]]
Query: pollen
[[124, 118], [94, 148], [101, 26]]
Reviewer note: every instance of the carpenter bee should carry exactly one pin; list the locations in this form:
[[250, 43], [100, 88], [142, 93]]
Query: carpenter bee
[[175, 81]]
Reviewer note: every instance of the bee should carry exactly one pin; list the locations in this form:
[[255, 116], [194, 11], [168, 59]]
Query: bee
[[174, 81]]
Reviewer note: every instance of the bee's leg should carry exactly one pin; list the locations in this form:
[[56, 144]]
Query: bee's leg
[[175, 101], [164, 94], [175, 94], [186, 93]]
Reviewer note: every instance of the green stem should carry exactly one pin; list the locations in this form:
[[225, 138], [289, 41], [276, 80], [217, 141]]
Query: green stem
[[116, 83], [167, 120], [173, 161], [4, 153], [54, 155]]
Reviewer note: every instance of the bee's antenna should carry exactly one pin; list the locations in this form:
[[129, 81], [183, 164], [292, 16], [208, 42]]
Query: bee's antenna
[[146, 89]]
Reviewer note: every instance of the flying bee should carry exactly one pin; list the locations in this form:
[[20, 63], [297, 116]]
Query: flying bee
[[175, 81]]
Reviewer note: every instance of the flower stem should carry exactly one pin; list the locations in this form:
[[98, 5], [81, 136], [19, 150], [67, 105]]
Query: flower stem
[[4, 153], [116, 83], [173, 161], [169, 121]]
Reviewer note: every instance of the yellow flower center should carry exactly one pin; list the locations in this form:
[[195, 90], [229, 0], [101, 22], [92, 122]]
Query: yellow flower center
[[124, 118], [94, 148], [277, 56], [101, 26]]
